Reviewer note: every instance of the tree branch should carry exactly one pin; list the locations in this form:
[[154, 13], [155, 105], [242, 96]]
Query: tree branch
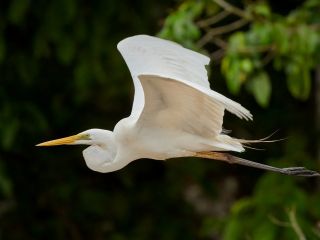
[[278, 222], [217, 55], [269, 56], [294, 224], [212, 20], [220, 42], [221, 30], [232, 9]]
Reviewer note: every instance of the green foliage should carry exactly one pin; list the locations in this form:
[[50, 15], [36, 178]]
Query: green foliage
[[279, 40], [264, 214], [261, 88], [180, 27], [290, 43], [258, 48], [267, 212]]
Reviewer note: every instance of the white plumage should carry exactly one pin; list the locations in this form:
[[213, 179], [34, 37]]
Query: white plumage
[[146, 55], [174, 113], [172, 91]]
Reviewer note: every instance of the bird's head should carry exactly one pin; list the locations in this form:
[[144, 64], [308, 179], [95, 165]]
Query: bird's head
[[100, 155], [88, 137]]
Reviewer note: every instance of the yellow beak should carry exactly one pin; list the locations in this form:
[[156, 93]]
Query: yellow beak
[[61, 141]]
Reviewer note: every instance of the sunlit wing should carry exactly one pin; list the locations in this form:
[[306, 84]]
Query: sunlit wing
[[175, 105], [172, 81], [150, 55]]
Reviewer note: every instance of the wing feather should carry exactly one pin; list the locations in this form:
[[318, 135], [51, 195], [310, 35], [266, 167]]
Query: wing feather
[[172, 91], [171, 104], [150, 55]]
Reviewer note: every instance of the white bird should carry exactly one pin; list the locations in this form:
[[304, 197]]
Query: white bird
[[174, 113]]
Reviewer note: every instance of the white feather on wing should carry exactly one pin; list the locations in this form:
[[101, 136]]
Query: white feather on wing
[[162, 67], [171, 104], [150, 55]]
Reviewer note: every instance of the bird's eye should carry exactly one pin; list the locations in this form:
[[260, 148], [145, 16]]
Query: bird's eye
[[85, 136]]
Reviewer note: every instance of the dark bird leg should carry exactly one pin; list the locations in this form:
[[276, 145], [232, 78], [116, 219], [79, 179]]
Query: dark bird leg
[[296, 171]]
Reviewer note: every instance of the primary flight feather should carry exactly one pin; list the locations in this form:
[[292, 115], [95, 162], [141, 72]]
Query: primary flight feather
[[174, 113]]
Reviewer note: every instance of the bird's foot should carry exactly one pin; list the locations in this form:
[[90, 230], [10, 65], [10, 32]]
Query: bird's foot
[[300, 171]]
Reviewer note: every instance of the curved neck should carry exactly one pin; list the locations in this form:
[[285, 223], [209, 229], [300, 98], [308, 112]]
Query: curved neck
[[101, 154], [106, 153]]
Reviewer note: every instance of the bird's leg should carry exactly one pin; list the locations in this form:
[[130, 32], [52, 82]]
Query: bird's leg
[[297, 171]]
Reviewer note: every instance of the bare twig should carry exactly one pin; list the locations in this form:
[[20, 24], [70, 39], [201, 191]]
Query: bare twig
[[220, 42], [269, 56], [217, 55], [212, 20], [260, 49], [232, 9], [228, 27], [278, 222], [221, 30], [294, 223]]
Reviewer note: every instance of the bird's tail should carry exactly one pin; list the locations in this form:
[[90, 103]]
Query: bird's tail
[[246, 142], [227, 143]]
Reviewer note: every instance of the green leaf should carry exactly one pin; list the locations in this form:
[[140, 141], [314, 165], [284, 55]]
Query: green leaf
[[237, 42], [247, 65], [265, 231], [231, 68], [262, 9], [281, 37], [260, 87], [242, 205], [306, 39], [180, 26], [260, 34], [312, 3], [298, 80], [232, 230]]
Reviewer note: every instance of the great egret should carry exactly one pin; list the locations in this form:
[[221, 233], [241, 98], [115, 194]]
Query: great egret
[[174, 113]]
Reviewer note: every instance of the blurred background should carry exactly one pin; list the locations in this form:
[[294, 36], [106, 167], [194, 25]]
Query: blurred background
[[60, 74]]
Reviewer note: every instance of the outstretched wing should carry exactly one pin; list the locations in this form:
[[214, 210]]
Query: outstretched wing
[[172, 104], [150, 55], [171, 87]]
